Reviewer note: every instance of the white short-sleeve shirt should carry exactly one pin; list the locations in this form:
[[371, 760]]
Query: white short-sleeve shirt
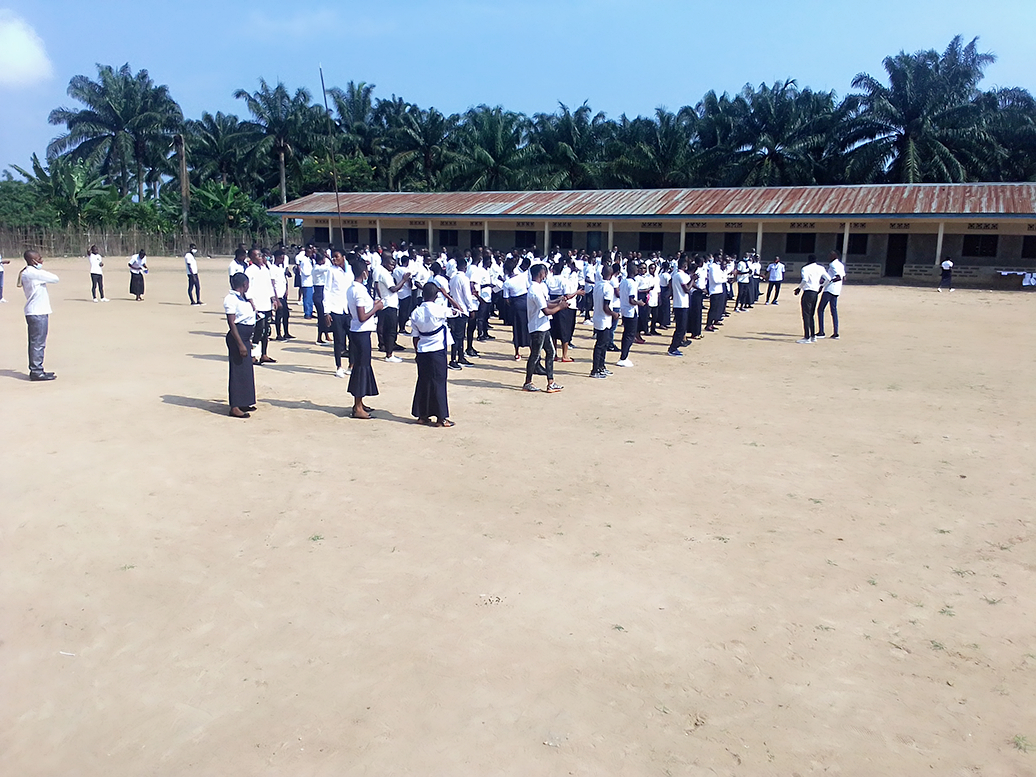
[[96, 264], [191, 263], [428, 325], [627, 289], [603, 292], [260, 287], [535, 303], [358, 297], [383, 280], [240, 307], [681, 299]]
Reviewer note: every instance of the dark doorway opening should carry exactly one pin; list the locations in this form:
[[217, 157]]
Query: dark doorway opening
[[896, 255], [372, 236], [476, 237], [732, 244]]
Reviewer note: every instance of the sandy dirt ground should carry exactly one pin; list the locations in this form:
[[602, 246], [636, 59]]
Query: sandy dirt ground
[[762, 559]]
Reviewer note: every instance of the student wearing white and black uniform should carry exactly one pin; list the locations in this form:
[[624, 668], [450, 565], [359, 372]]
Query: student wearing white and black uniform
[[665, 295], [832, 291], [304, 272], [629, 307], [717, 280], [482, 280], [538, 311], [946, 276], [431, 339], [813, 277], [96, 275], [744, 284], [515, 291], [138, 266], [775, 272], [604, 316], [280, 272], [240, 322], [339, 279], [363, 310], [321, 267], [264, 298], [387, 288], [239, 263], [560, 333], [680, 288], [459, 287], [193, 284], [34, 279], [401, 275], [699, 290]]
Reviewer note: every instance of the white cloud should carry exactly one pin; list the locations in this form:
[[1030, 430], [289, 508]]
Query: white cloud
[[23, 57]]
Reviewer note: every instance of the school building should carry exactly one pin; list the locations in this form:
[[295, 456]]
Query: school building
[[886, 231]]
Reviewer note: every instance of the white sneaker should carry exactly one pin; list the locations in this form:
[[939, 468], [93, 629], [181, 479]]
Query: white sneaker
[[804, 341], [939, 289], [952, 289], [393, 359], [339, 373], [105, 299], [623, 363], [2, 300], [96, 300]]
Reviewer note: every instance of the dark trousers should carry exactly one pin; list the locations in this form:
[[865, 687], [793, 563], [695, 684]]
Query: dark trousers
[[775, 288], [827, 298], [540, 341], [388, 328], [261, 333], [280, 318], [601, 339], [744, 294], [717, 302], [318, 303], [665, 299], [694, 312], [470, 328], [643, 313], [680, 316], [458, 328], [809, 306], [406, 307], [484, 309], [96, 285], [339, 336], [193, 288], [629, 334], [38, 327]]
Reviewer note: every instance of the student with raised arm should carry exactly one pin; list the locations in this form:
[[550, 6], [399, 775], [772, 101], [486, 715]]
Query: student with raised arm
[[96, 275], [34, 279], [604, 315], [138, 267], [813, 277], [363, 310], [431, 339], [539, 311]]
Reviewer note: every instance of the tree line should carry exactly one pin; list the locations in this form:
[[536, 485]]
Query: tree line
[[126, 154]]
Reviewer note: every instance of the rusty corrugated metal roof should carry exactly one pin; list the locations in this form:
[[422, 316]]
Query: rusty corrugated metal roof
[[892, 200]]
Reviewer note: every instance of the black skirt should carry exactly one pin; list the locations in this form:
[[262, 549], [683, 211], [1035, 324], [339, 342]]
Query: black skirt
[[242, 377], [430, 392], [136, 283], [519, 321], [563, 325], [361, 381]]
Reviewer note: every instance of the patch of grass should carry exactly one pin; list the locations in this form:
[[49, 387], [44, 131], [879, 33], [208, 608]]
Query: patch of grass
[[617, 627], [128, 567], [962, 572], [822, 627], [316, 538], [988, 600], [872, 581], [947, 611], [1023, 744], [942, 531], [596, 553], [937, 645]]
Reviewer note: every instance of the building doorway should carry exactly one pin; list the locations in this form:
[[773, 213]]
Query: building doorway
[[732, 244], [896, 255]]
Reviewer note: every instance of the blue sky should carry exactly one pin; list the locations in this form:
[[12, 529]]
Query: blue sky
[[623, 56]]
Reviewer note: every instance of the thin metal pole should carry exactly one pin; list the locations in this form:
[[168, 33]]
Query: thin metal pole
[[334, 163]]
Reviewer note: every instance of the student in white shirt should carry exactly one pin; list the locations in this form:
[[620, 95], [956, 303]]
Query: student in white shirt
[[431, 339], [775, 273], [832, 291], [604, 315], [280, 272], [744, 284], [460, 289], [96, 275], [240, 323], [264, 298], [629, 306], [193, 284], [238, 263], [946, 276], [387, 288], [665, 294], [717, 280], [138, 267], [363, 311], [538, 312], [515, 291], [680, 286], [339, 279], [699, 291], [813, 277], [482, 281], [2, 263], [402, 274], [34, 279], [321, 267], [304, 268]]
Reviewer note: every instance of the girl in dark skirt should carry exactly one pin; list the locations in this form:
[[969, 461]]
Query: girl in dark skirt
[[516, 289], [362, 309], [138, 266], [431, 340], [240, 322]]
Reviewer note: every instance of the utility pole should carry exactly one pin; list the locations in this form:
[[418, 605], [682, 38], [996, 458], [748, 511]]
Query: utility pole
[[185, 184]]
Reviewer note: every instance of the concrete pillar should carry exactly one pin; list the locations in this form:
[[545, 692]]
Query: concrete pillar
[[938, 243], [377, 225], [759, 239], [430, 234], [611, 235], [485, 234], [683, 236], [845, 243], [284, 229], [546, 239]]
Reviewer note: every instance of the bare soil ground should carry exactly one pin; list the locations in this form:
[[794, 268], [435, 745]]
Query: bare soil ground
[[761, 559]]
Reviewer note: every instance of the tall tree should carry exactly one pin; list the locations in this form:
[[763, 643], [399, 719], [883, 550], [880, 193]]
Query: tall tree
[[423, 145], [573, 144], [494, 153]]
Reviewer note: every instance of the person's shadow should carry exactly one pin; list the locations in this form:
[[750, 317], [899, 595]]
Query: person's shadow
[[215, 406], [14, 374]]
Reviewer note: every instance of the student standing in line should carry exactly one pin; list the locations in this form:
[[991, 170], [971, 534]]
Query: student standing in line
[[832, 291], [193, 284], [401, 275], [240, 322], [813, 277], [96, 275], [339, 279], [262, 293], [239, 263], [699, 287], [717, 281], [538, 313], [603, 318], [775, 272], [321, 266], [483, 281], [304, 268], [431, 339], [34, 279], [388, 288], [280, 273], [744, 284], [629, 305], [515, 291], [946, 277], [138, 267], [363, 310], [458, 287], [653, 298], [680, 286], [665, 294]]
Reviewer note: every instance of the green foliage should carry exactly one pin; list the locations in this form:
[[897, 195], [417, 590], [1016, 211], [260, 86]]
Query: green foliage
[[20, 206]]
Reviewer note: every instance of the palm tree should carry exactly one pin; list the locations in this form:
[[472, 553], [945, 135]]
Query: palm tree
[[573, 144], [494, 153], [221, 147], [654, 153], [927, 125], [284, 122], [126, 121], [354, 108], [423, 146]]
